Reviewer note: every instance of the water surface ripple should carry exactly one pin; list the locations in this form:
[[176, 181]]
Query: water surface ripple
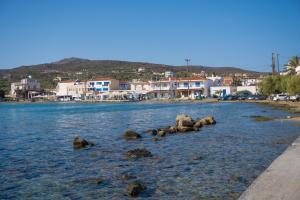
[[37, 159]]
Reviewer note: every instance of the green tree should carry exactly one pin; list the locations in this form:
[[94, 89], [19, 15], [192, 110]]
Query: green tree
[[274, 84], [291, 66], [294, 85]]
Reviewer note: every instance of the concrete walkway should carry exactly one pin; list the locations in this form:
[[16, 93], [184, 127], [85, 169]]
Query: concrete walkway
[[281, 180]]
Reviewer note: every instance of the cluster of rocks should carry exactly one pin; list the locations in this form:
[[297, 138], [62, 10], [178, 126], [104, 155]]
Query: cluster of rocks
[[184, 123]]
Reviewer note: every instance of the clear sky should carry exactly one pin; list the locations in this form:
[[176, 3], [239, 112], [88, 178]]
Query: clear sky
[[240, 33]]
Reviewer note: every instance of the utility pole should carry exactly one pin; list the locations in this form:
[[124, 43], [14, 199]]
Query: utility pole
[[277, 56], [273, 64], [187, 60]]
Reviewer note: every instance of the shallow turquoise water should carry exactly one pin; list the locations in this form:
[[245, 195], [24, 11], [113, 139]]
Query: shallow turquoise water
[[37, 159]]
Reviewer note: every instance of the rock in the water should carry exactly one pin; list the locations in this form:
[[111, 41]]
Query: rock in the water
[[79, 143], [131, 135], [135, 188], [207, 120], [184, 123], [98, 181], [138, 153], [155, 139], [152, 131], [198, 124], [184, 120], [162, 133], [172, 129], [126, 177]]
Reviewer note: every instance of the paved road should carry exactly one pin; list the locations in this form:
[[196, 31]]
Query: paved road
[[281, 180]]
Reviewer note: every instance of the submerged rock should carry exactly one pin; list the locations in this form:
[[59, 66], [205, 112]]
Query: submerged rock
[[126, 177], [80, 143], [162, 133], [172, 129], [138, 153], [98, 181], [131, 135], [152, 131], [135, 188], [207, 121], [259, 118], [155, 139]]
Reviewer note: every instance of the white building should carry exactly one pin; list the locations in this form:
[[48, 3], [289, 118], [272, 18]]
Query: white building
[[250, 81], [68, 90], [222, 90], [169, 74], [217, 80], [141, 69], [191, 87], [26, 88], [97, 89], [298, 70], [253, 89]]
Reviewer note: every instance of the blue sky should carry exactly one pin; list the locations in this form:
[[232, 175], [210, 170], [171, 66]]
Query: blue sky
[[240, 33]]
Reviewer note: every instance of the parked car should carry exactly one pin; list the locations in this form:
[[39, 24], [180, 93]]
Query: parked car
[[260, 97], [229, 98], [295, 97], [280, 97]]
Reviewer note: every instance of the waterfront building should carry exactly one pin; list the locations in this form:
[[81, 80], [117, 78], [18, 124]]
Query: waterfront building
[[26, 88], [70, 90], [104, 84], [97, 89], [124, 85], [163, 88], [190, 87], [193, 87], [222, 90]]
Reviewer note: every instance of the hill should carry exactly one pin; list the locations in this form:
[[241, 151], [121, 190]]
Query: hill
[[76, 68]]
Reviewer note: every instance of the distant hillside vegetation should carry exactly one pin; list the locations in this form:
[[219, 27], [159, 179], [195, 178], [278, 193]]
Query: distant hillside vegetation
[[77, 68]]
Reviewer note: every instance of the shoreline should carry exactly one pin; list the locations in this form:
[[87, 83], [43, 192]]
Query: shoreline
[[280, 180]]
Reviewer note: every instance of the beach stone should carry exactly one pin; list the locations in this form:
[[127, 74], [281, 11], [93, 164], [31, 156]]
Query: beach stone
[[79, 143], [135, 188], [131, 135], [138, 153]]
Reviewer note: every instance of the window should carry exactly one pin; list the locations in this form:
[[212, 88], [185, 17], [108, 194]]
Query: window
[[185, 84], [99, 89], [105, 89], [98, 83], [197, 84], [106, 83]]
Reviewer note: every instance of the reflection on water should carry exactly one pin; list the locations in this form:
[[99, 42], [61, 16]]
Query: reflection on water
[[38, 160]]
